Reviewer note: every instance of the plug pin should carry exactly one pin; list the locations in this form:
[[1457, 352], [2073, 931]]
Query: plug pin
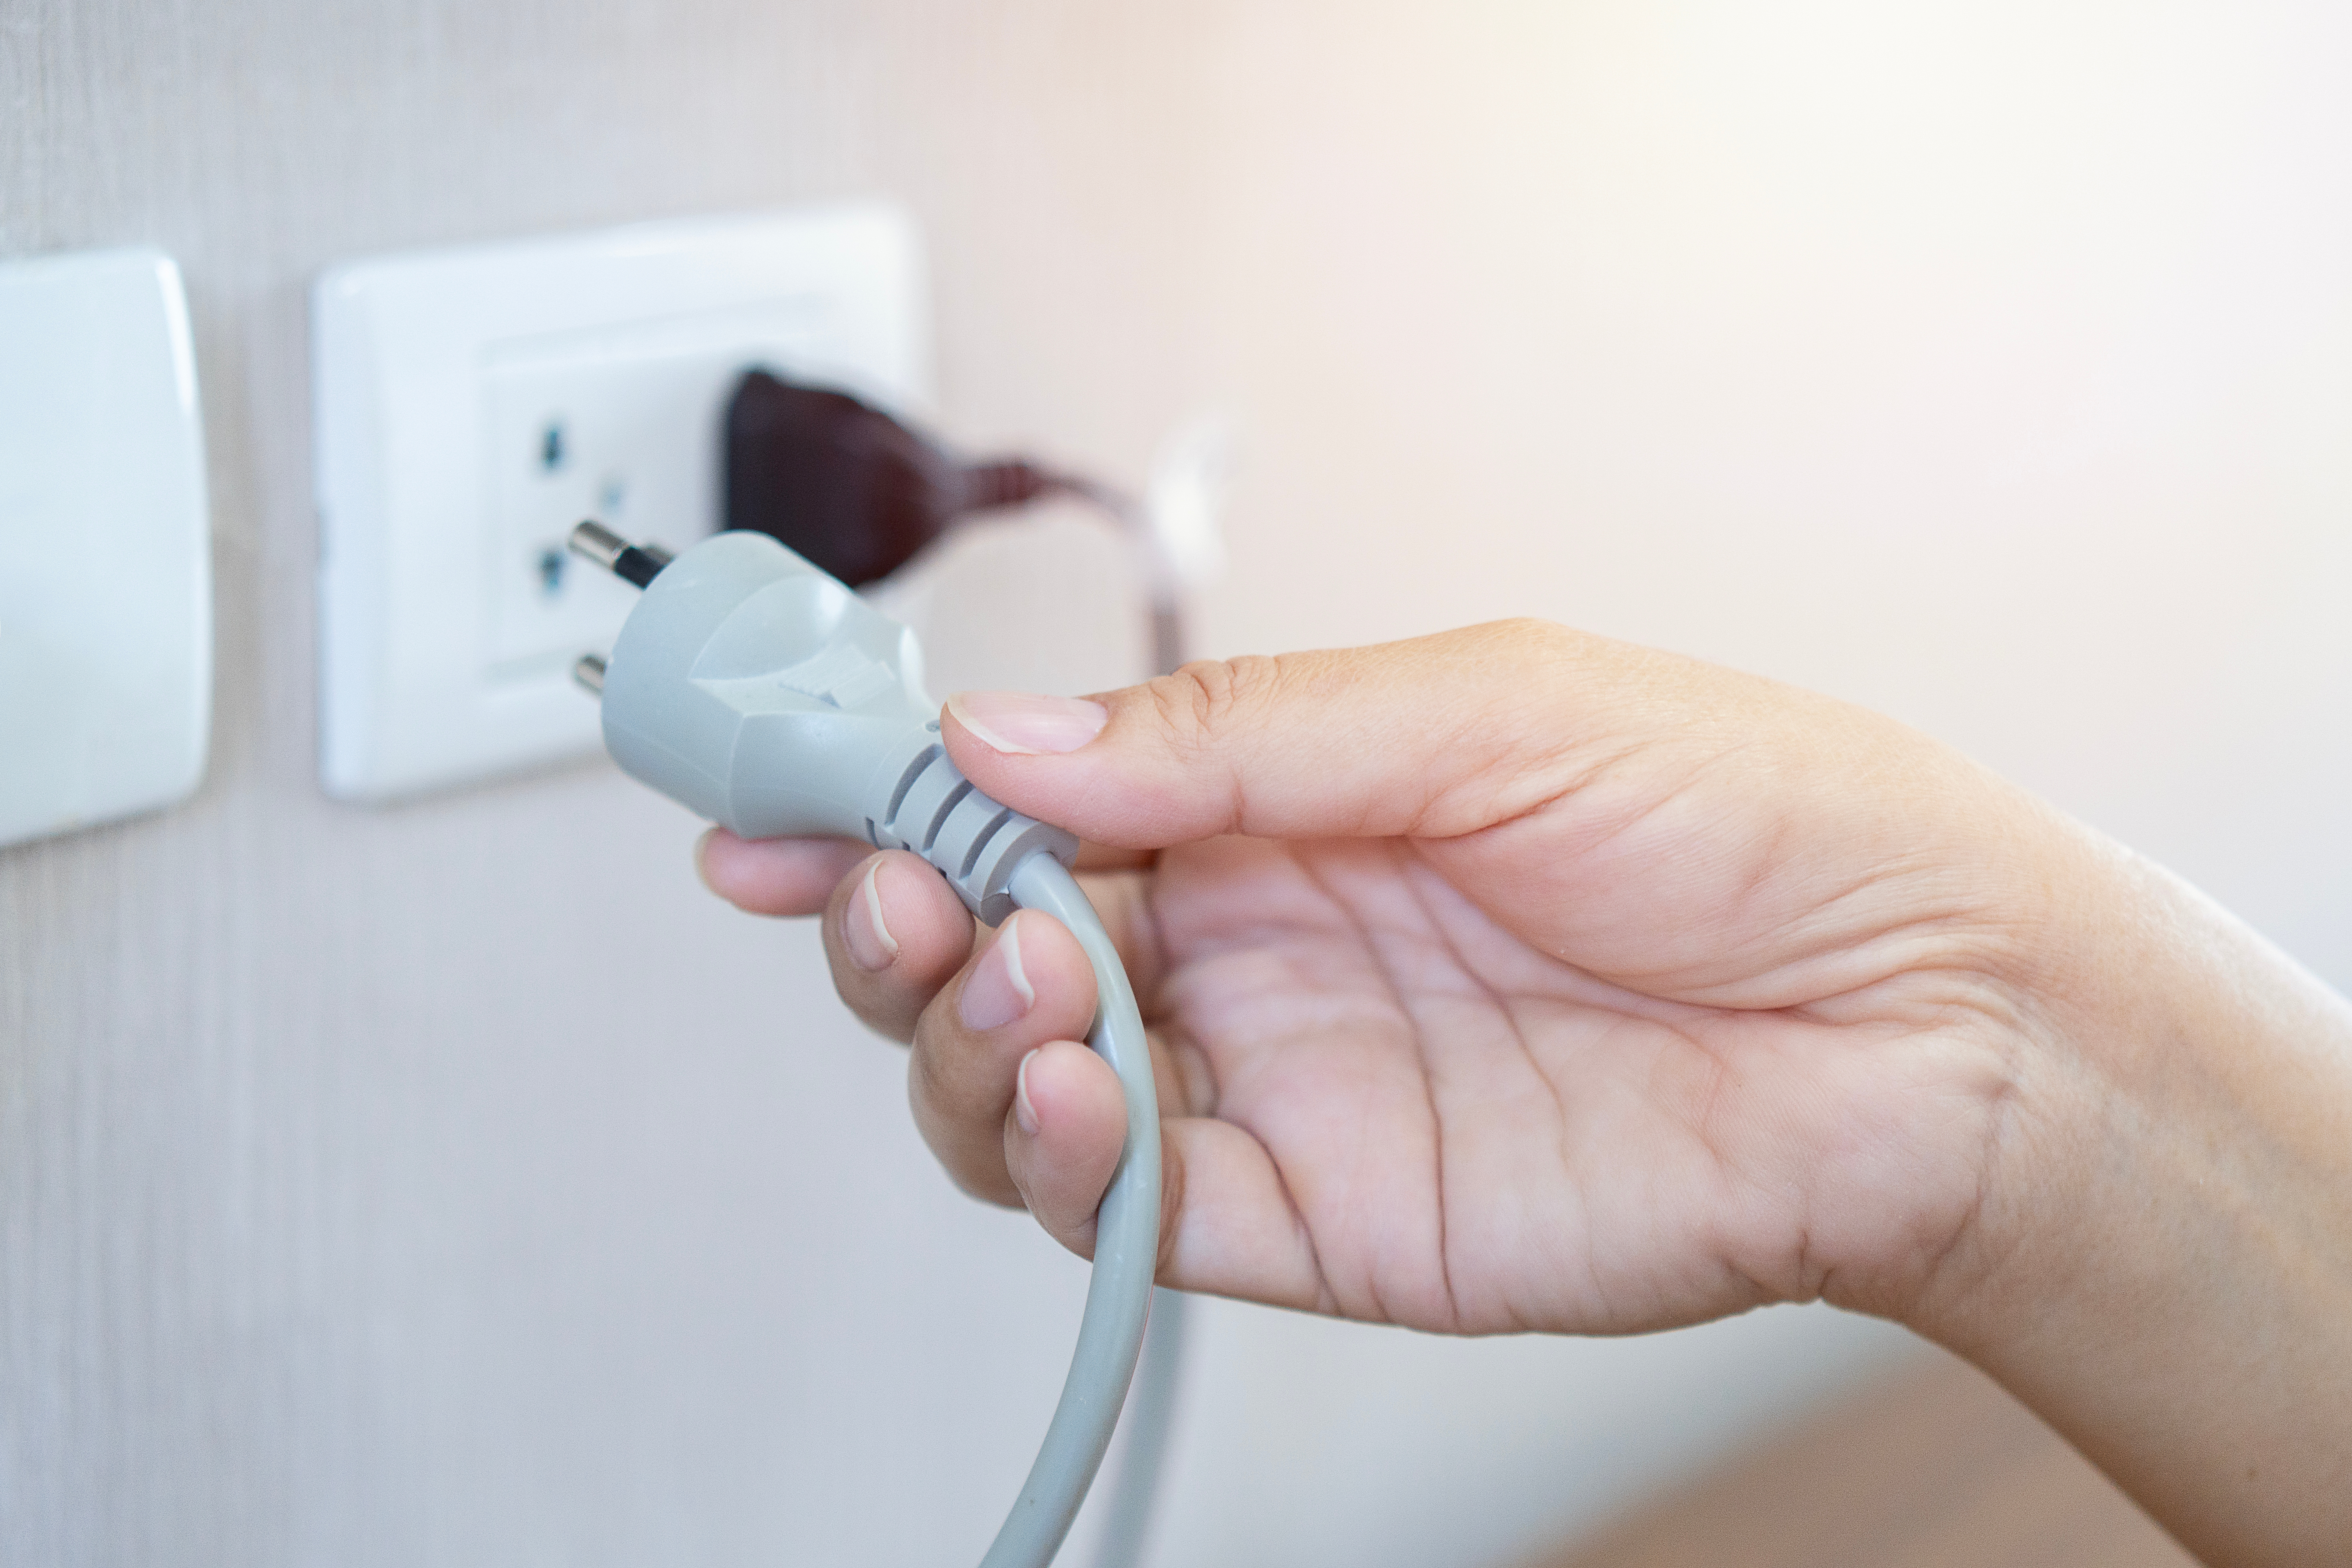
[[637, 563], [589, 672]]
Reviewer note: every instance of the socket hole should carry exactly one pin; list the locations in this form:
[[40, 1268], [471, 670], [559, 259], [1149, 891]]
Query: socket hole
[[551, 446], [610, 496], [552, 563]]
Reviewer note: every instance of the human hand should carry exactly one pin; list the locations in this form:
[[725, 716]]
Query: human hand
[[1507, 979], [1518, 979]]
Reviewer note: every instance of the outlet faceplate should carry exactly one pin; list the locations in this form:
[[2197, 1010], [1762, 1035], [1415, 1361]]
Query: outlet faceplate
[[473, 404]]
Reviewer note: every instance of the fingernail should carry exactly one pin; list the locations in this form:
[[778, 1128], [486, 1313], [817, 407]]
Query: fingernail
[[996, 993], [1028, 725], [1023, 1112], [871, 946]]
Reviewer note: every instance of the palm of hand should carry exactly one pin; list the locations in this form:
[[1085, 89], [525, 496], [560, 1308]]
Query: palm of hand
[[1470, 1134]]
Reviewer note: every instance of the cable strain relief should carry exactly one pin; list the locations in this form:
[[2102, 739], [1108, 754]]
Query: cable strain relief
[[988, 894], [974, 840]]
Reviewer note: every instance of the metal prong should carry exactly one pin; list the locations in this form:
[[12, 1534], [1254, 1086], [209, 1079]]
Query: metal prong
[[637, 563], [590, 672], [594, 542]]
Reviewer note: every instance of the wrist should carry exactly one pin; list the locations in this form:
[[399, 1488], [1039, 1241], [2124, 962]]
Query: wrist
[[2161, 1262], [2093, 1002], [2164, 1055]]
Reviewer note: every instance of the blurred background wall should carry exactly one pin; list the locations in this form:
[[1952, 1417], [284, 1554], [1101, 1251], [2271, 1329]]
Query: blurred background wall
[[458, 1183], [1988, 363]]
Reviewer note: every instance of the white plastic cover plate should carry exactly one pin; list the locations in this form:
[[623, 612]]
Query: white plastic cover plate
[[106, 630], [473, 404]]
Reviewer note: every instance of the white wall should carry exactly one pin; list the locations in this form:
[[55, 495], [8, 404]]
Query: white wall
[[1989, 363], [459, 1184], [1986, 363]]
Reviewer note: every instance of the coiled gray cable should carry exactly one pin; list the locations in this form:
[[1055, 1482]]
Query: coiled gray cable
[[1127, 1247]]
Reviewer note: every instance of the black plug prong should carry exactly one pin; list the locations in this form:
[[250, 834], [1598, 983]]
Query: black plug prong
[[637, 563]]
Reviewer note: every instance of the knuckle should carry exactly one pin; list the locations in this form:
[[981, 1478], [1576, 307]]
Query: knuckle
[[1202, 709], [1536, 640], [1206, 697]]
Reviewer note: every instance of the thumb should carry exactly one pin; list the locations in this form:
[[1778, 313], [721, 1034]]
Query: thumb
[[1433, 737]]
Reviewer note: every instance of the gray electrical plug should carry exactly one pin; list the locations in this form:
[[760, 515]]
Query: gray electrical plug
[[760, 693]]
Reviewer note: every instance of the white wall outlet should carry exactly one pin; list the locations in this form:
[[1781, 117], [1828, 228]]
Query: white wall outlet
[[473, 404], [106, 629]]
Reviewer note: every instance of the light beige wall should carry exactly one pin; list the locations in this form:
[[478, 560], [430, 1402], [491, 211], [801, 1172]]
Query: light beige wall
[[457, 1185], [1989, 363]]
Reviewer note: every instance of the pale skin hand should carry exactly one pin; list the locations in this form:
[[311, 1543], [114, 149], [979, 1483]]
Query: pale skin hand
[[1516, 979]]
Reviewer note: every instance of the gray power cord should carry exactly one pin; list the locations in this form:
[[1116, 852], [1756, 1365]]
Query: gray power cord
[[1150, 1425], [759, 692]]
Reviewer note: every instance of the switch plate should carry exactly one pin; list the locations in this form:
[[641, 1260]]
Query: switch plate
[[472, 405], [106, 593]]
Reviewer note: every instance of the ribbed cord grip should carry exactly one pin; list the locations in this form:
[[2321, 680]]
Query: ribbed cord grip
[[975, 842]]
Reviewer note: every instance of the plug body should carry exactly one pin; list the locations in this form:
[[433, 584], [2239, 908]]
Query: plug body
[[762, 694]]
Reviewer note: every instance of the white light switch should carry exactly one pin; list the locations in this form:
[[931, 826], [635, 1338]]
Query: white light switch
[[473, 404], [105, 543]]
